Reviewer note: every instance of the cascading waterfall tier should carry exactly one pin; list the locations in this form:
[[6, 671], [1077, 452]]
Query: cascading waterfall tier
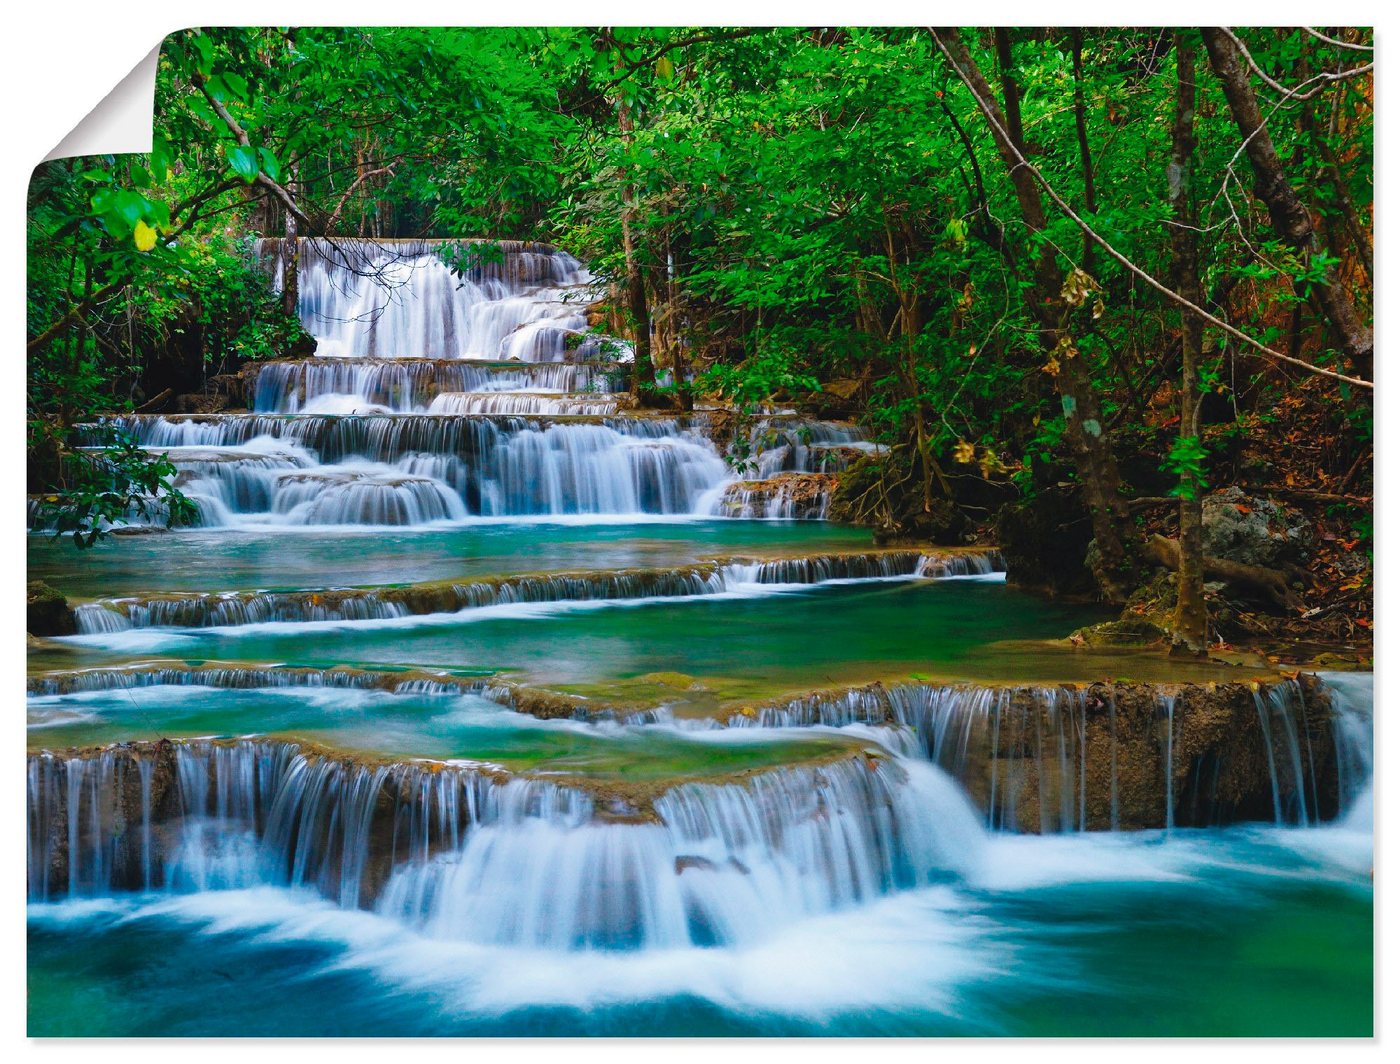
[[1031, 758], [1116, 756], [794, 445], [252, 677], [469, 852], [410, 386], [192, 610], [786, 496], [411, 469], [437, 298], [458, 379]]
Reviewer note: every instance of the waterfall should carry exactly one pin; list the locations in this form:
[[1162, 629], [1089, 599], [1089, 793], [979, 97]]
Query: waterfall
[[800, 446], [1167, 699], [409, 386], [394, 298], [466, 852], [788, 497], [412, 469], [457, 380], [1057, 758], [194, 610], [243, 677], [1352, 700]]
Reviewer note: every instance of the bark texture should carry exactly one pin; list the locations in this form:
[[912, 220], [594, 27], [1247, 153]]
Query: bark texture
[[1292, 221], [1089, 446], [1189, 622]]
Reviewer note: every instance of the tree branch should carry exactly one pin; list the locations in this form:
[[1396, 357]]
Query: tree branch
[[242, 137], [1122, 259]]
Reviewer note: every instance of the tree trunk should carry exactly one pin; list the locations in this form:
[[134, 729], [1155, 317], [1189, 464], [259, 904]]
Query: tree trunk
[[1089, 446], [291, 262], [638, 314], [1081, 131], [1291, 219], [1272, 583], [1189, 623]]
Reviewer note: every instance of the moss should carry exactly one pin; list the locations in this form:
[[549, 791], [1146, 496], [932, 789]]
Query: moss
[[1134, 632], [48, 612]]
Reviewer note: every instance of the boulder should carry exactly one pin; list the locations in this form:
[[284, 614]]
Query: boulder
[[49, 612], [1243, 528]]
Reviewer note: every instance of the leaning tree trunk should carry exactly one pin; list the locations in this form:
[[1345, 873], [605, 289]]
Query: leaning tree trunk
[[1189, 622], [1093, 456], [1291, 218]]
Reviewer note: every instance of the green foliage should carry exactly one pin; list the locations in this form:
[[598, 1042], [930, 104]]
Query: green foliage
[[120, 482], [769, 372], [1187, 461], [813, 215]]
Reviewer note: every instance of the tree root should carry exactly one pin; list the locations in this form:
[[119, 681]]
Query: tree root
[[1271, 582]]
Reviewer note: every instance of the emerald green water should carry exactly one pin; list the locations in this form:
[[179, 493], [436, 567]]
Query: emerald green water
[[735, 646], [233, 560], [440, 727], [1234, 932], [1238, 931], [769, 642]]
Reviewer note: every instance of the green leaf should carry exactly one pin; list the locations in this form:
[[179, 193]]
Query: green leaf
[[204, 53], [270, 166], [237, 85], [161, 156], [244, 162]]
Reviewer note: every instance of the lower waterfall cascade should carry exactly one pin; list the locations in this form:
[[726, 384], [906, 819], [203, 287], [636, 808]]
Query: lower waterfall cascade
[[479, 701]]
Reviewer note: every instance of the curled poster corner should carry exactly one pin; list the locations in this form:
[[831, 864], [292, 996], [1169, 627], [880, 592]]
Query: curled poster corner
[[121, 121]]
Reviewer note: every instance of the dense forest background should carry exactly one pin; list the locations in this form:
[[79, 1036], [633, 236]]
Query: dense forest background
[[1091, 287]]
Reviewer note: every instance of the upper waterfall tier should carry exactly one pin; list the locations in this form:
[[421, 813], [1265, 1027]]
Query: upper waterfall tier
[[414, 386], [400, 298]]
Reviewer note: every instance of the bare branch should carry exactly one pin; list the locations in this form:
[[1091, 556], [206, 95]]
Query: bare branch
[[1337, 43], [1326, 78]]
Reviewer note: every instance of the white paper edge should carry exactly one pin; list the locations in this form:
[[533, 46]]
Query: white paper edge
[[121, 121]]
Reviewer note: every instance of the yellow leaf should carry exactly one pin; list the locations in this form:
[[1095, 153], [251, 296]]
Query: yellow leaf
[[963, 451], [145, 237]]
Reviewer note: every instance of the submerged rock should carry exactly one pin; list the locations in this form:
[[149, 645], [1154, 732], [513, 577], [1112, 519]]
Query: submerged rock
[[48, 611]]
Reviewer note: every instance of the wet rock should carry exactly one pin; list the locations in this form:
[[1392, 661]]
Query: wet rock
[[1129, 632], [48, 611], [1095, 756], [794, 496], [1256, 531]]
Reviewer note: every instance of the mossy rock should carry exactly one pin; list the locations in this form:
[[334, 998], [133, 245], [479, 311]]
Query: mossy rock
[[48, 611], [1132, 632], [1154, 602]]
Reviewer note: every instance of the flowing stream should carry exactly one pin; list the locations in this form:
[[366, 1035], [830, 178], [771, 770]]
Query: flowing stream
[[483, 703]]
